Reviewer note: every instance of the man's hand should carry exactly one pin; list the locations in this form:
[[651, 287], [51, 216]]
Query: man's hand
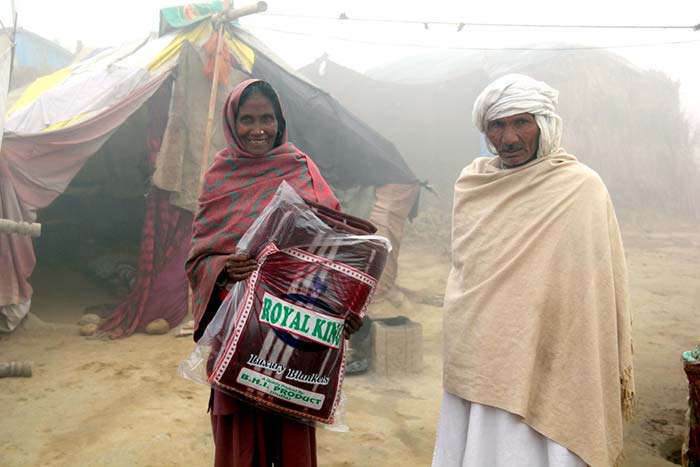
[[352, 324], [239, 267]]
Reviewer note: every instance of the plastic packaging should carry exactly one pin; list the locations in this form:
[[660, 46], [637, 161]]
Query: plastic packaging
[[277, 339]]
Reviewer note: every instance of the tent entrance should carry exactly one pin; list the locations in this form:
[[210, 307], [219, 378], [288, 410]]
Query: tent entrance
[[87, 254]]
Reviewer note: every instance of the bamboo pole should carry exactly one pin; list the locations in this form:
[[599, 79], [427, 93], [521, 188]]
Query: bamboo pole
[[233, 13], [203, 163]]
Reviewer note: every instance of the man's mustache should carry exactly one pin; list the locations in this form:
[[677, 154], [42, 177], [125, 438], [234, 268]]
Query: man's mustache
[[511, 148]]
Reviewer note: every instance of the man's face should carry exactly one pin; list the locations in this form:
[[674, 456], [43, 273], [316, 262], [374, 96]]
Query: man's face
[[515, 138]]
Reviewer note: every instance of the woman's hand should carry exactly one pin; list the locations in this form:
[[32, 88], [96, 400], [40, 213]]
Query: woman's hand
[[352, 324], [239, 267]]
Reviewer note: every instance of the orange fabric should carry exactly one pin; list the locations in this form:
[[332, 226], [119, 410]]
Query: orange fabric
[[225, 61]]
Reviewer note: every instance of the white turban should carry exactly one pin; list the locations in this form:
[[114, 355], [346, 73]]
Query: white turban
[[515, 94]]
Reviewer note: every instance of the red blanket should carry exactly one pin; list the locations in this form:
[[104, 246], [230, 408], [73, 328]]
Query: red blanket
[[286, 350], [277, 340]]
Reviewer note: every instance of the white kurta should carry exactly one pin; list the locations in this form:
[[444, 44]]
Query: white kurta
[[475, 435]]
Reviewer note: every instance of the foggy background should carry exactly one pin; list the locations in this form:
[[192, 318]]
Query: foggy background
[[629, 96], [363, 45]]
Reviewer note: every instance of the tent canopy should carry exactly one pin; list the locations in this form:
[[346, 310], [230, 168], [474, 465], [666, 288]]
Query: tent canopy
[[62, 119]]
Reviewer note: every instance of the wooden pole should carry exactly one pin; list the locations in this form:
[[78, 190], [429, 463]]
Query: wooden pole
[[234, 13], [204, 161]]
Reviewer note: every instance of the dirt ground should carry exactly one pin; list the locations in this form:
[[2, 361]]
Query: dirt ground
[[121, 403]]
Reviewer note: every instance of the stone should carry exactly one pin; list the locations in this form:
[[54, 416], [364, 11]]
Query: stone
[[88, 329], [157, 326], [89, 318]]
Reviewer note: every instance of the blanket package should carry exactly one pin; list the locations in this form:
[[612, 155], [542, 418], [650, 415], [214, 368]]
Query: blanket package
[[277, 340]]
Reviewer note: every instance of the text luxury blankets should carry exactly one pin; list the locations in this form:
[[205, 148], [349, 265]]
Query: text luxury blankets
[[537, 318]]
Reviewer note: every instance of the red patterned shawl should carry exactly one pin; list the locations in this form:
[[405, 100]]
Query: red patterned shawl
[[236, 188]]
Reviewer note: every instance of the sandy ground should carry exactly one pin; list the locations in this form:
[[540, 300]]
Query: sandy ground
[[121, 403]]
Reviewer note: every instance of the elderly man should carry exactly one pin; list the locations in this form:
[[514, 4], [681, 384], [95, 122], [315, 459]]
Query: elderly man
[[538, 354]]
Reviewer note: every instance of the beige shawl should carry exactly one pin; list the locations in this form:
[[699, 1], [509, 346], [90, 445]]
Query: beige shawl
[[536, 308]]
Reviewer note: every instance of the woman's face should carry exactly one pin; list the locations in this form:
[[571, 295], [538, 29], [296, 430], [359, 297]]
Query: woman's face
[[256, 125]]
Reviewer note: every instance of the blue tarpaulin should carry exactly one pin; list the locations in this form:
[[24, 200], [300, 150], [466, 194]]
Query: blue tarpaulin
[[33, 51]]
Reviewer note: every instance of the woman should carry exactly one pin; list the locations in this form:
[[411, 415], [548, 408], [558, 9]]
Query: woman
[[237, 187]]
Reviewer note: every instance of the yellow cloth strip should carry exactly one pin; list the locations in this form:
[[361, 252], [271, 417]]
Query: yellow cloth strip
[[194, 35], [244, 54], [68, 122]]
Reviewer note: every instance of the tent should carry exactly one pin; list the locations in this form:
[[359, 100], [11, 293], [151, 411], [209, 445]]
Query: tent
[[624, 122], [127, 124]]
